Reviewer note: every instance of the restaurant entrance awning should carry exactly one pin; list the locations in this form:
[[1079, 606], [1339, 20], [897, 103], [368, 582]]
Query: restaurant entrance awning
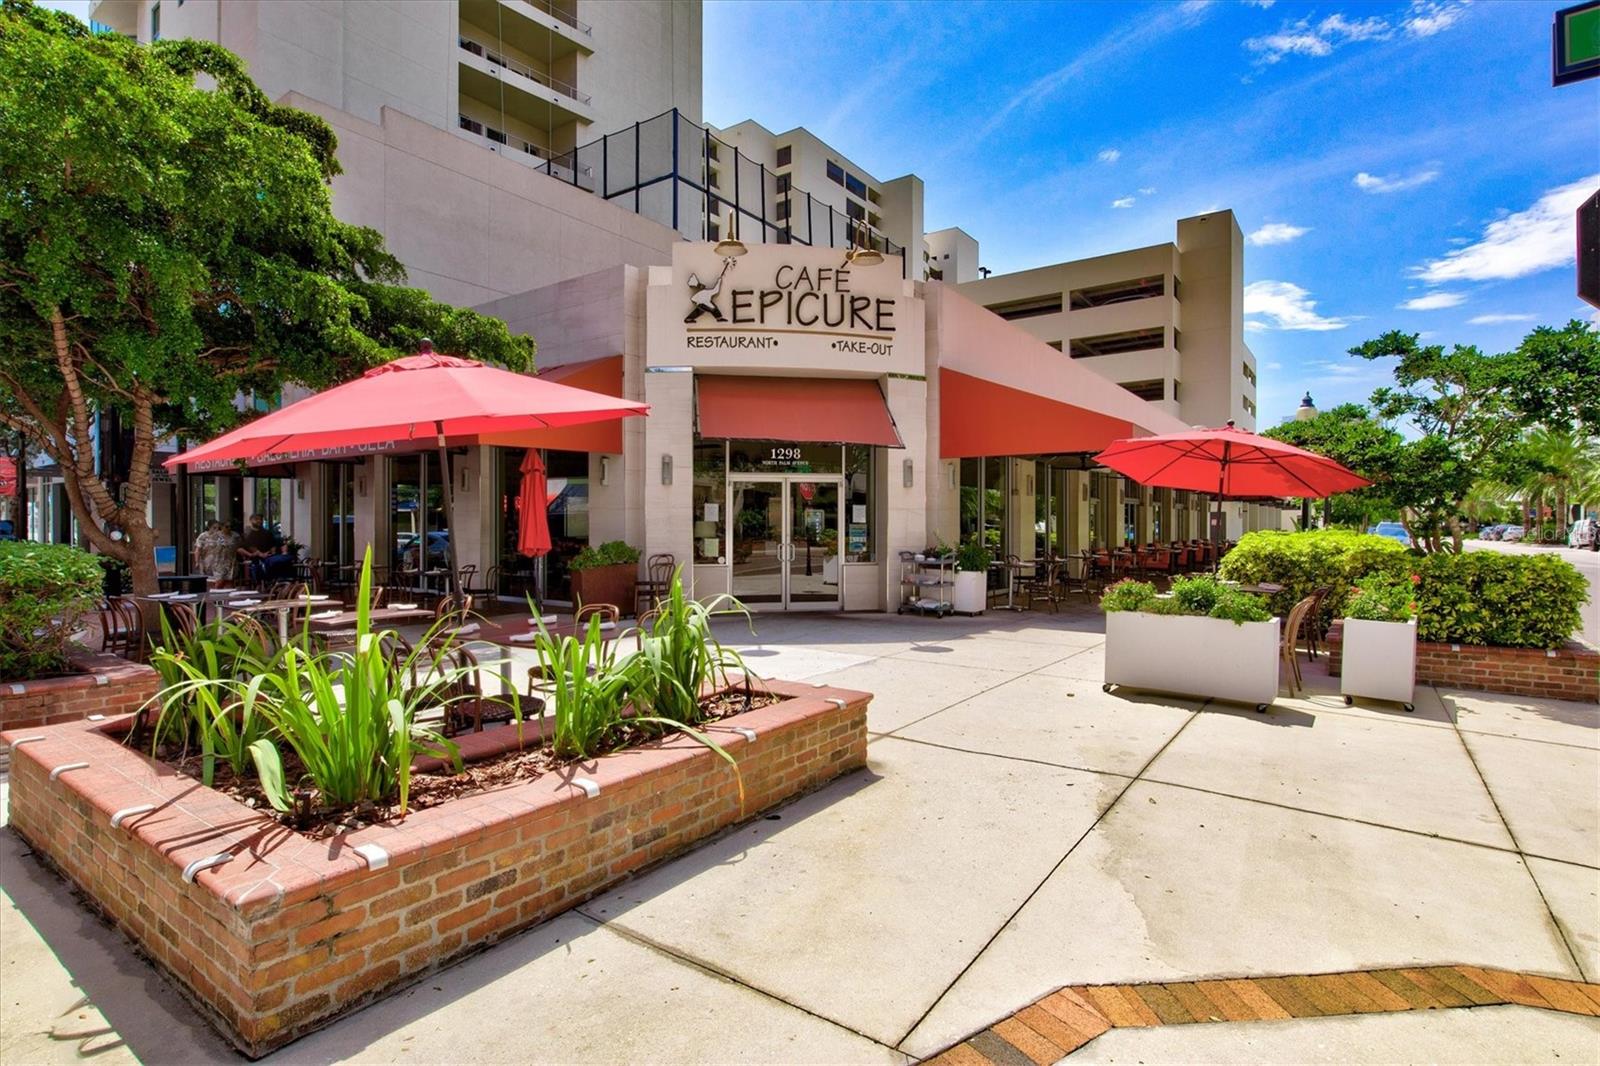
[[801, 410], [979, 418]]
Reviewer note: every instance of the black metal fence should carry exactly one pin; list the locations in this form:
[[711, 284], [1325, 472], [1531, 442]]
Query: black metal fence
[[661, 168]]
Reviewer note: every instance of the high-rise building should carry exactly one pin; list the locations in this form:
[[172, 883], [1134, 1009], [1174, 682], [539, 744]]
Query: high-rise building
[[528, 76], [1165, 322]]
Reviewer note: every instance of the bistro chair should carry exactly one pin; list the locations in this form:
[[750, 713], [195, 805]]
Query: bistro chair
[[607, 612], [642, 626], [1084, 580], [452, 609], [657, 581], [466, 575], [183, 618], [396, 652], [375, 597], [487, 586], [1314, 629], [122, 628], [1042, 586], [1291, 631]]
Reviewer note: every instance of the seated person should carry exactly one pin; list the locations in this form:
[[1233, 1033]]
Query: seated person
[[260, 551]]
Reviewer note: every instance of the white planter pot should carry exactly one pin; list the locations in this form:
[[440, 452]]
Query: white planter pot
[[1197, 656], [971, 595], [1380, 661], [830, 570]]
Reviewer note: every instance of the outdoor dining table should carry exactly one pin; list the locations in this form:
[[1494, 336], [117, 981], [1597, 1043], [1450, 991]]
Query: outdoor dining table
[[1012, 569], [329, 619], [514, 631]]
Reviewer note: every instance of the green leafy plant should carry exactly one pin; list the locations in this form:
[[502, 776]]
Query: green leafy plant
[[1239, 607], [588, 689], [1196, 594], [351, 718], [210, 695], [1384, 598], [1128, 596], [973, 556], [1304, 562], [1514, 601], [611, 553], [45, 589], [680, 659]]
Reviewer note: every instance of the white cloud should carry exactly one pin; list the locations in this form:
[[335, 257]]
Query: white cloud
[[1110, 155], [1262, 4], [1521, 243], [1276, 233], [1148, 190], [1428, 17], [1497, 318], [1434, 301], [1285, 305], [1303, 37], [1126, 201], [1193, 7], [1374, 184]]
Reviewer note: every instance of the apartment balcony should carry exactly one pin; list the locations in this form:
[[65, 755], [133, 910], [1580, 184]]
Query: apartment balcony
[[532, 27], [529, 95], [484, 135], [1124, 317]]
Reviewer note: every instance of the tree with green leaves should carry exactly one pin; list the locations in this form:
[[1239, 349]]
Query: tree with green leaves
[[166, 248]]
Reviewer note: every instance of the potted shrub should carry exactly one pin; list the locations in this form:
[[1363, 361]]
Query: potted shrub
[[1380, 640], [1203, 639], [972, 576], [605, 573], [44, 590]]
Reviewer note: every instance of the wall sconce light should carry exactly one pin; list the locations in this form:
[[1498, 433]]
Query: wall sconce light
[[361, 485], [1030, 484], [463, 478], [666, 469], [906, 474], [299, 488], [605, 470], [951, 466]]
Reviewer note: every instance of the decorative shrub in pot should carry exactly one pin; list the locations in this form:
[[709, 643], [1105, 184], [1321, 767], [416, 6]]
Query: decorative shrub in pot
[[972, 576], [44, 590], [605, 573], [1380, 640], [1204, 639]]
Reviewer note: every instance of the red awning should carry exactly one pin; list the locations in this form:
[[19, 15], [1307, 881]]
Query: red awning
[[802, 410], [978, 417]]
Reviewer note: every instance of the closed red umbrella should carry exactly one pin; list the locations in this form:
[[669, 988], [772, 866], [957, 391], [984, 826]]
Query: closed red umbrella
[[533, 508], [1228, 463]]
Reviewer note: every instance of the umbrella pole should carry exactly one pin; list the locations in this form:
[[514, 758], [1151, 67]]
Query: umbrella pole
[[1222, 473], [449, 515]]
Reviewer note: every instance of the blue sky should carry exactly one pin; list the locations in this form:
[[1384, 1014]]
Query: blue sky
[[1397, 164], [1380, 154]]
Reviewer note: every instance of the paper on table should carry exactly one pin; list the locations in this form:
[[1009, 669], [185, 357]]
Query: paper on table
[[328, 614], [521, 638]]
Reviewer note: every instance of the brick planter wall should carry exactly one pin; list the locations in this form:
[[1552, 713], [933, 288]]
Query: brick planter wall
[[1570, 672], [107, 686], [293, 931]]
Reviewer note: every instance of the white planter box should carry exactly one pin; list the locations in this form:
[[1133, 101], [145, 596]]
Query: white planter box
[[1380, 661], [972, 594], [1197, 656]]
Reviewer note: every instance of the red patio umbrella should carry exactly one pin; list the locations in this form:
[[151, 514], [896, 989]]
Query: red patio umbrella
[[533, 508], [420, 399], [1228, 463]]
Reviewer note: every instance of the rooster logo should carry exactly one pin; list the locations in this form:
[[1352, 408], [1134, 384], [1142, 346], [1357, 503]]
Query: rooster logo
[[704, 297]]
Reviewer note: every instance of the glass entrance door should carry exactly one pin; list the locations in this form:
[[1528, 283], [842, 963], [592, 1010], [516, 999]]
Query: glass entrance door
[[785, 538], [813, 577], [756, 527]]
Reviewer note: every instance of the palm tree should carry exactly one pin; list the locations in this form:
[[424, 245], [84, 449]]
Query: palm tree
[[1566, 470]]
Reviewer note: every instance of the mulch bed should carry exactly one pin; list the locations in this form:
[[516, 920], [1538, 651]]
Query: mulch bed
[[431, 789]]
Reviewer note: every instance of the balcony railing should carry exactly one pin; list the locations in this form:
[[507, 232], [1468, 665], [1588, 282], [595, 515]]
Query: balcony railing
[[550, 9], [495, 58]]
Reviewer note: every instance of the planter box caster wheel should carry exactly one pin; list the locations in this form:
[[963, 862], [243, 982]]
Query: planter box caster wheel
[[1107, 687], [1349, 701], [1411, 708], [1261, 708]]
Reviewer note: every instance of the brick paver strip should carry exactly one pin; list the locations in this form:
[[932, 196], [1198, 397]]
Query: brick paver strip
[[1067, 1019]]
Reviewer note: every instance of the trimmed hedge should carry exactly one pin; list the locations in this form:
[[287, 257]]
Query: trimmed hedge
[[44, 590], [1304, 562], [1508, 601], [1477, 597]]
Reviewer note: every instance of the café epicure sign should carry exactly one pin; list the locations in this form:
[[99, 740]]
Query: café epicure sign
[[779, 297]]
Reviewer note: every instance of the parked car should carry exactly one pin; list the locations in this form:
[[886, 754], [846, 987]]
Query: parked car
[[1395, 530], [1585, 533], [1491, 532], [1512, 533]]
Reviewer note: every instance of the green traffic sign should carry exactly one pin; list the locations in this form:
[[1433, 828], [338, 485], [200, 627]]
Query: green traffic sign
[[1575, 43]]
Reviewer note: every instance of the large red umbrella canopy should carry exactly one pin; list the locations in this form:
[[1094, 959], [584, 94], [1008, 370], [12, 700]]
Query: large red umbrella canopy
[[533, 508], [1229, 463], [415, 398]]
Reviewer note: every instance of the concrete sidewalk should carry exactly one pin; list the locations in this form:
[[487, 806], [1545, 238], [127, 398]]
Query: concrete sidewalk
[[1016, 830]]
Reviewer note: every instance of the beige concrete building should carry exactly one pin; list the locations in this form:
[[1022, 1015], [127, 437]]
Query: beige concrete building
[[1165, 322], [529, 78], [951, 255]]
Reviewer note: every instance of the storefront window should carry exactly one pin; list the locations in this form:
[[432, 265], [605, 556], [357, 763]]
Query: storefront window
[[779, 457], [419, 535], [567, 485], [1130, 520], [338, 482], [266, 500], [994, 505], [516, 574], [710, 496], [860, 527], [971, 498]]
